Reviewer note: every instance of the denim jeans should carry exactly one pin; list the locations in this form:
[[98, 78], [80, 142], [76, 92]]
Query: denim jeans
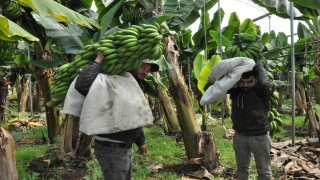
[[260, 147], [115, 163]]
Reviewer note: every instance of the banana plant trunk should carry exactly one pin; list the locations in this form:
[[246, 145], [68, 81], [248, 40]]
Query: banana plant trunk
[[300, 96], [24, 97], [7, 156], [178, 89], [37, 102], [71, 143], [281, 90], [19, 90], [317, 92], [171, 116], [44, 81]]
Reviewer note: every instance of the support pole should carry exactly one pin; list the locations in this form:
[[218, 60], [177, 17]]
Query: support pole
[[293, 127], [220, 50]]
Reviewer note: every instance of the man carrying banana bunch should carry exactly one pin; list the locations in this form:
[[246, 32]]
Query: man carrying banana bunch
[[249, 95], [113, 149]]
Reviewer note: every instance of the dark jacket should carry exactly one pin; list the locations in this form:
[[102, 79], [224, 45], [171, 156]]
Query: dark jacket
[[250, 109], [2, 81], [85, 79]]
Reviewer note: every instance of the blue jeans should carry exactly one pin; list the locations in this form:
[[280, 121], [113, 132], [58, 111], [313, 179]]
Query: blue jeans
[[115, 163], [260, 147]]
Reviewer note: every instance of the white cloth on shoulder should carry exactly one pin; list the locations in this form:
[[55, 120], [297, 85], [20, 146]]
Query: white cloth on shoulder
[[114, 103], [224, 75]]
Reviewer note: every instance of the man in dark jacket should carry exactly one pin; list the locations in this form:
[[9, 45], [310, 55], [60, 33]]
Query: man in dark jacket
[[113, 151], [250, 122]]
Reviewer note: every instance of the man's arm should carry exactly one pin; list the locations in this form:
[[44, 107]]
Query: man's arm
[[2, 81], [263, 84], [88, 75], [140, 141]]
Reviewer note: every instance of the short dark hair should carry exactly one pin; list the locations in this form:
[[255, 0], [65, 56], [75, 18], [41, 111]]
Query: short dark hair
[[254, 72]]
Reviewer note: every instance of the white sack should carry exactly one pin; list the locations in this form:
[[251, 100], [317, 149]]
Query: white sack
[[114, 103], [74, 101], [224, 75]]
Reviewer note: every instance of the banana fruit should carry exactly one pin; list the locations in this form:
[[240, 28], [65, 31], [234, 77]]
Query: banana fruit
[[12, 10], [275, 122], [124, 50], [132, 15], [243, 45], [8, 51]]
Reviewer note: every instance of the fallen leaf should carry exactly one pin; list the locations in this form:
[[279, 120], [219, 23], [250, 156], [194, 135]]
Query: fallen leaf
[[195, 161], [201, 174], [154, 167], [48, 161], [185, 178], [27, 141]]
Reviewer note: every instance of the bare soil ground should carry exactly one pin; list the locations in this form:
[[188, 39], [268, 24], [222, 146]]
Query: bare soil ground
[[65, 168]]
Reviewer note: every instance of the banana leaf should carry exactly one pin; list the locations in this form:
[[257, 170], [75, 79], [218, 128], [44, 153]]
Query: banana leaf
[[265, 38], [199, 62], [312, 4], [272, 54], [205, 28], [163, 64], [190, 11], [233, 18], [216, 36], [56, 10], [317, 109], [230, 30], [186, 37], [280, 8], [67, 41], [204, 24], [300, 45], [106, 17], [303, 31], [148, 89], [282, 40], [10, 31], [99, 4], [245, 25], [48, 64], [205, 71]]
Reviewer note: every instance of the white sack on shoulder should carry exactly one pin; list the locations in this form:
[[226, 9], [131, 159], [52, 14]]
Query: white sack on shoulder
[[74, 101], [224, 75], [114, 103]]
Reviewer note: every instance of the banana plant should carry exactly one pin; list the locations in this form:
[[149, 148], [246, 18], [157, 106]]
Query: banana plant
[[307, 12], [29, 26]]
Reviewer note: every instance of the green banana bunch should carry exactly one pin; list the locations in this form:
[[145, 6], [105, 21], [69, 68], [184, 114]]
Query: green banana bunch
[[131, 15], [124, 50], [12, 10], [7, 51], [246, 38], [243, 45], [275, 122], [254, 50]]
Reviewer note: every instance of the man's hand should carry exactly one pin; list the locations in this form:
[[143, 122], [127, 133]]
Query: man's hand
[[99, 57], [142, 150], [7, 83]]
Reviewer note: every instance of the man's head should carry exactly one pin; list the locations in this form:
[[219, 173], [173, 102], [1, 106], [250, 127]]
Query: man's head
[[248, 79], [146, 67]]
